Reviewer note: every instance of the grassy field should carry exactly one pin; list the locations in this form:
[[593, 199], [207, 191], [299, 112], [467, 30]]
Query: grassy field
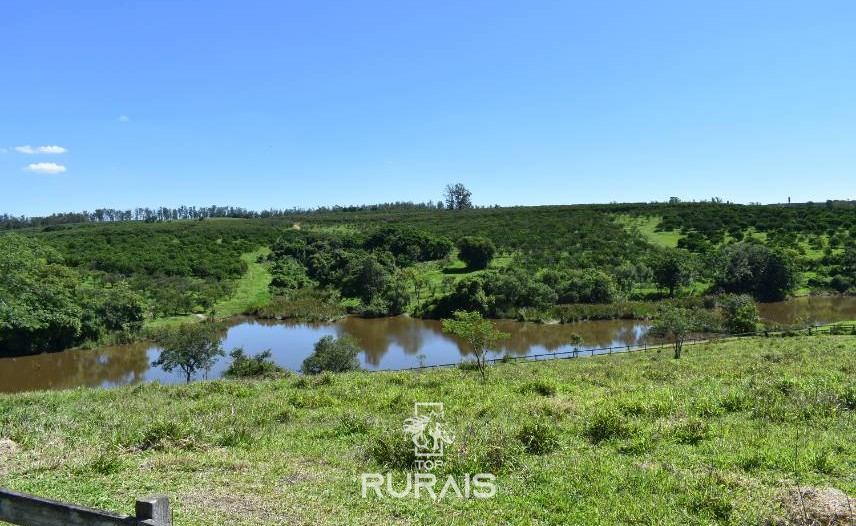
[[252, 287], [251, 290], [715, 438], [433, 274], [647, 226]]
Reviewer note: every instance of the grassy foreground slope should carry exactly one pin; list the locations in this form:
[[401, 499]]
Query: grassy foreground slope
[[714, 438]]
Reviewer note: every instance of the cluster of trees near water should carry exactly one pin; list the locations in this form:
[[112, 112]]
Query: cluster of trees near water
[[74, 283], [46, 305], [382, 272]]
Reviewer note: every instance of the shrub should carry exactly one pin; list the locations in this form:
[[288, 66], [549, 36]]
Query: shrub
[[483, 450], [331, 354], [303, 304], [325, 378], [538, 438], [105, 464], [164, 434], [739, 313], [391, 449], [311, 400], [607, 425], [824, 461], [468, 365], [352, 424], [847, 396], [284, 416], [541, 387], [711, 501], [236, 436], [475, 251], [637, 445], [691, 432], [243, 365]]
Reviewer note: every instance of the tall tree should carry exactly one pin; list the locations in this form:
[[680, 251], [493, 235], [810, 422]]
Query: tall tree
[[673, 270], [191, 348], [457, 197], [739, 313], [752, 268]]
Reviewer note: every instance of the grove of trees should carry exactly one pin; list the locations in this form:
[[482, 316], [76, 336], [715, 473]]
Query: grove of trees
[[72, 278], [48, 306]]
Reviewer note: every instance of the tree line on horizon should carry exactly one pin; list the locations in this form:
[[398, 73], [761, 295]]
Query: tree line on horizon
[[456, 197]]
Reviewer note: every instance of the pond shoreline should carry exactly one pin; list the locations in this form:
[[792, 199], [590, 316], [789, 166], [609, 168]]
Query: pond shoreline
[[574, 313]]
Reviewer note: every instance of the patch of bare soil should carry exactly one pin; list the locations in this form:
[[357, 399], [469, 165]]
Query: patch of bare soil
[[7, 448], [239, 508], [810, 506]]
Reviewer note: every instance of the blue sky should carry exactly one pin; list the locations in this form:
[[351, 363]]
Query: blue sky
[[280, 104]]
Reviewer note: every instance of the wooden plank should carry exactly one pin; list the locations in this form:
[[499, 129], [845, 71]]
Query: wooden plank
[[28, 510]]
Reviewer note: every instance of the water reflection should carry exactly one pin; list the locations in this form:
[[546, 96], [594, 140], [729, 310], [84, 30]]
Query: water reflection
[[96, 368], [812, 309], [388, 343]]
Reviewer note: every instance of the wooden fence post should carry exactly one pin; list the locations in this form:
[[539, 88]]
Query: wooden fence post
[[153, 511], [22, 509]]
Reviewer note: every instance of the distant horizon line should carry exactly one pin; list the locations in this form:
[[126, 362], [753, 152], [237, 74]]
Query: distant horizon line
[[235, 211]]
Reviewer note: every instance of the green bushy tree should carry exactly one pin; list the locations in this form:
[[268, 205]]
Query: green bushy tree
[[739, 313], [475, 251], [331, 354], [39, 310], [676, 324], [190, 348], [586, 286], [244, 365], [752, 268], [673, 269], [479, 334]]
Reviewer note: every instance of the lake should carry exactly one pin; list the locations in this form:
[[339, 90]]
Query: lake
[[388, 343]]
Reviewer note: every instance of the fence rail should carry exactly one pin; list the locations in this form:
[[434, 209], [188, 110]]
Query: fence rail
[[615, 349], [28, 510]]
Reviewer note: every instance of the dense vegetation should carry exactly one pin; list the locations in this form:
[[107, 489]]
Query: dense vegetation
[[725, 435], [75, 283], [46, 305]]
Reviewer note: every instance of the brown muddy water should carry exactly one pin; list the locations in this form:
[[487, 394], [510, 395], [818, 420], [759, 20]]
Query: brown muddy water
[[388, 343]]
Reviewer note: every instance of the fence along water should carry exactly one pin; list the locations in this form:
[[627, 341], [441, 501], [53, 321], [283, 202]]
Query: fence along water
[[840, 329]]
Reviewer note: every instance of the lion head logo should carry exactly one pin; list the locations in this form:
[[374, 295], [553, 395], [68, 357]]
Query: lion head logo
[[427, 429]]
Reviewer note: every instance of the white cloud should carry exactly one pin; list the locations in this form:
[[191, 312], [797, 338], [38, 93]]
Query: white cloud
[[45, 168], [124, 118], [51, 149]]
